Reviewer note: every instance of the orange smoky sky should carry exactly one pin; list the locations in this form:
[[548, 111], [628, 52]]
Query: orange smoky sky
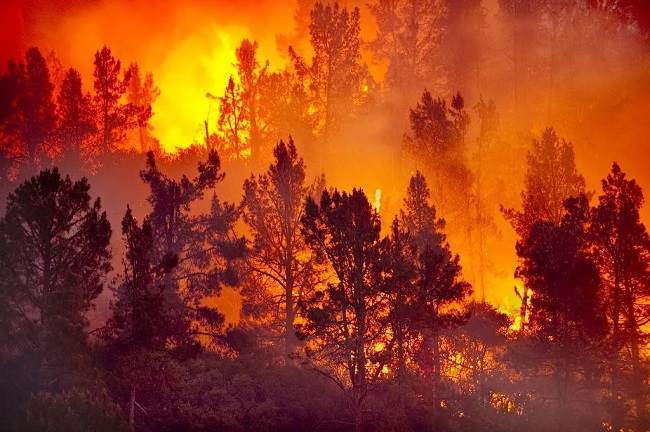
[[189, 47]]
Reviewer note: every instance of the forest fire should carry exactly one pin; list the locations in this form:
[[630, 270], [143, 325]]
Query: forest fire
[[307, 215]]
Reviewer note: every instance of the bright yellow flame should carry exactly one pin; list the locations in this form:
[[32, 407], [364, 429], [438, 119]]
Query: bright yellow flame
[[377, 203], [202, 61]]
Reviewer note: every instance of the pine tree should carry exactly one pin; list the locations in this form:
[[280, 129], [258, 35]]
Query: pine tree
[[76, 124], [348, 317], [54, 259], [114, 117], [623, 251], [566, 312], [335, 79], [203, 244], [551, 177], [438, 288], [28, 113], [273, 206], [437, 143]]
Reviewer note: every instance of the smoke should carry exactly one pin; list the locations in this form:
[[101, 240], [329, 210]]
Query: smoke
[[189, 47], [592, 87]]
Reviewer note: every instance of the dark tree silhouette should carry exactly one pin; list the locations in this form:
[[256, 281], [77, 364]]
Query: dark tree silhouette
[[273, 206], [347, 320], [551, 177], [29, 116], [438, 286], [114, 116], [437, 144], [76, 125], [623, 252], [54, 259], [242, 122], [141, 324], [203, 244], [566, 312]]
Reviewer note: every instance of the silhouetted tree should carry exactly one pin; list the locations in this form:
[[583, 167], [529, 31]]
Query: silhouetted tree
[[623, 252], [437, 144], [566, 310], [273, 206], [114, 117], [348, 317], [203, 244], [141, 323], [438, 288], [54, 258], [233, 122], [29, 116], [76, 124], [551, 177]]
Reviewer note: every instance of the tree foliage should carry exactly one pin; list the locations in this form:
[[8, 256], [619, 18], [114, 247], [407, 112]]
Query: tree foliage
[[273, 207]]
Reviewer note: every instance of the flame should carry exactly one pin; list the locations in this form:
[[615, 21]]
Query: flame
[[201, 61], [377, 203]]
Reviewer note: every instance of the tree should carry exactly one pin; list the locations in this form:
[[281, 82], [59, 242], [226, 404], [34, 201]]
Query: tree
[[408, 38], [273, 207], [492, 166], [252, 78], [551, 177], [284, 106], [522, 26], [623, 252], [10, 147], [141, 93], [141, 323], [348, 317], [233, 122], [566, 311], [203, 244], [335, 79], [76, 123], [438, 288], [29, 113], [54, 258], [438, 142], [114, 117], [461, 44]]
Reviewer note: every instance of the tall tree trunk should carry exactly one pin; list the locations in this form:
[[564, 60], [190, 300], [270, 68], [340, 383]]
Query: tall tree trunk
[[437, 373], [289, 332]]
